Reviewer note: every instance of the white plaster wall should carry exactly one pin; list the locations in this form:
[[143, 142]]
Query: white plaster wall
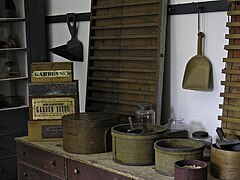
[[198, 108], [58, 34]]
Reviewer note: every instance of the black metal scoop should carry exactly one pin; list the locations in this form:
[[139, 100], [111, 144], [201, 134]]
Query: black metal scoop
[[73, 50], [133, 130], [226, 144]]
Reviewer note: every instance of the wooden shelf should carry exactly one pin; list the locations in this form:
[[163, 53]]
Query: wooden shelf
[[14, 79], [11, 19], [13, 108]]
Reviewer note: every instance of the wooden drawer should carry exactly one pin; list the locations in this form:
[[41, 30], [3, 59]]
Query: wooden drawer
[[12, 123], [8, 145], [44, 160], [77, 170], [8, 169], [27, 172]]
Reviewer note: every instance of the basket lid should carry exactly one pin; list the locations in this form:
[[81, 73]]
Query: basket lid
[[200, 134], [90, 119]]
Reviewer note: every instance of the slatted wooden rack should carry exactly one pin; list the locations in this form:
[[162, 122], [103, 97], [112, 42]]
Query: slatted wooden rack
[[231, 105], [126, 55]]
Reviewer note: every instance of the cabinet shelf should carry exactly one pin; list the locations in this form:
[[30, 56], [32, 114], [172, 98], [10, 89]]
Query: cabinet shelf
[[13, 49], [12, 108], [11, 19], [14, 79]]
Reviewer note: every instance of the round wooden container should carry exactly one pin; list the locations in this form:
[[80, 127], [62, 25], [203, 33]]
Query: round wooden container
[[190, 170], [224, 164], [135, 148], [168, 151], [88, 133]]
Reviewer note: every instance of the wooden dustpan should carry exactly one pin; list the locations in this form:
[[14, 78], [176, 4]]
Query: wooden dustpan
[[197, 74]]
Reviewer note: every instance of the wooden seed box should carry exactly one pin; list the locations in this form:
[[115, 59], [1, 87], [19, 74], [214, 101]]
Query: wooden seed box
[[45, 130], [53, 89], [52, 108]]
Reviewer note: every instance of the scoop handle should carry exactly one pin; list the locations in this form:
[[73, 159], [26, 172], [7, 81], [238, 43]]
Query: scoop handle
[[71, 22], [130, 122], [200, 44], [220, 134]]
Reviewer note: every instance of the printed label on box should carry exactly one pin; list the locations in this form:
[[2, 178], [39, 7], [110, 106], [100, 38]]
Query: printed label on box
[[52, 74], [52, 108], [52, 131]]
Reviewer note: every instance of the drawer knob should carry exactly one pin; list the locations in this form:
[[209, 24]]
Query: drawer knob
[[25, 174], [23, 153], [53, 163], [76, 171]]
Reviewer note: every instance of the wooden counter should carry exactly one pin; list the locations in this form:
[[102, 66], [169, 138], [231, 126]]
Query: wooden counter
[[63, 165]]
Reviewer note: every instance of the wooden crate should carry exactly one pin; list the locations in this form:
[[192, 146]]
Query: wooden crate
[[44, 72], [52, 108], [53, 89], [45, 130], [126, 55]]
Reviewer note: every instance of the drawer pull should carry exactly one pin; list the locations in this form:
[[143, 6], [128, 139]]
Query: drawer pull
[[76, 171], [23, 153], [53, 163], [25, 174]]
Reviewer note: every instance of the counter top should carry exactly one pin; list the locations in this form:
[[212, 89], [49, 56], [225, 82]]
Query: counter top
[[101, 160]]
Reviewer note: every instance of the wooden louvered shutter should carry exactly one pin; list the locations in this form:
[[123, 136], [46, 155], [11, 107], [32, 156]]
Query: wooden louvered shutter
[[126, 55], [231, 106]]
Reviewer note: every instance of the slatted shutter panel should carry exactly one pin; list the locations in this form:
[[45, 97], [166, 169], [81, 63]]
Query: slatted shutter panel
[[231, 106], [126, 55]]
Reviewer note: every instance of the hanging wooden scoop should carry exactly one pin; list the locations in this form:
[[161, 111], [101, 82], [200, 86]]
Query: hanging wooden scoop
[[197, 74]]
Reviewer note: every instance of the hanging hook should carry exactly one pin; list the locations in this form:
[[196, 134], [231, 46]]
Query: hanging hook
[[199, 10]]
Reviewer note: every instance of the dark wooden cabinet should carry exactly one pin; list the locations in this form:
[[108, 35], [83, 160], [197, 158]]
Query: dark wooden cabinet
[[29, 26], [26, 172], [13, 124], [43, 160], [77, 170], [31, 47], [48, 161], [36, 164], [8, 168]]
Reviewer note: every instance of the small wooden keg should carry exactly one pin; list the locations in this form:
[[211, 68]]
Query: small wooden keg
[[87, 133]]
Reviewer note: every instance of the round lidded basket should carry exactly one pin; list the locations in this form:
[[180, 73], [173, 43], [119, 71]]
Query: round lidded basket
[[224, 164], [168, 151], [87, 133], [135, 149]]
